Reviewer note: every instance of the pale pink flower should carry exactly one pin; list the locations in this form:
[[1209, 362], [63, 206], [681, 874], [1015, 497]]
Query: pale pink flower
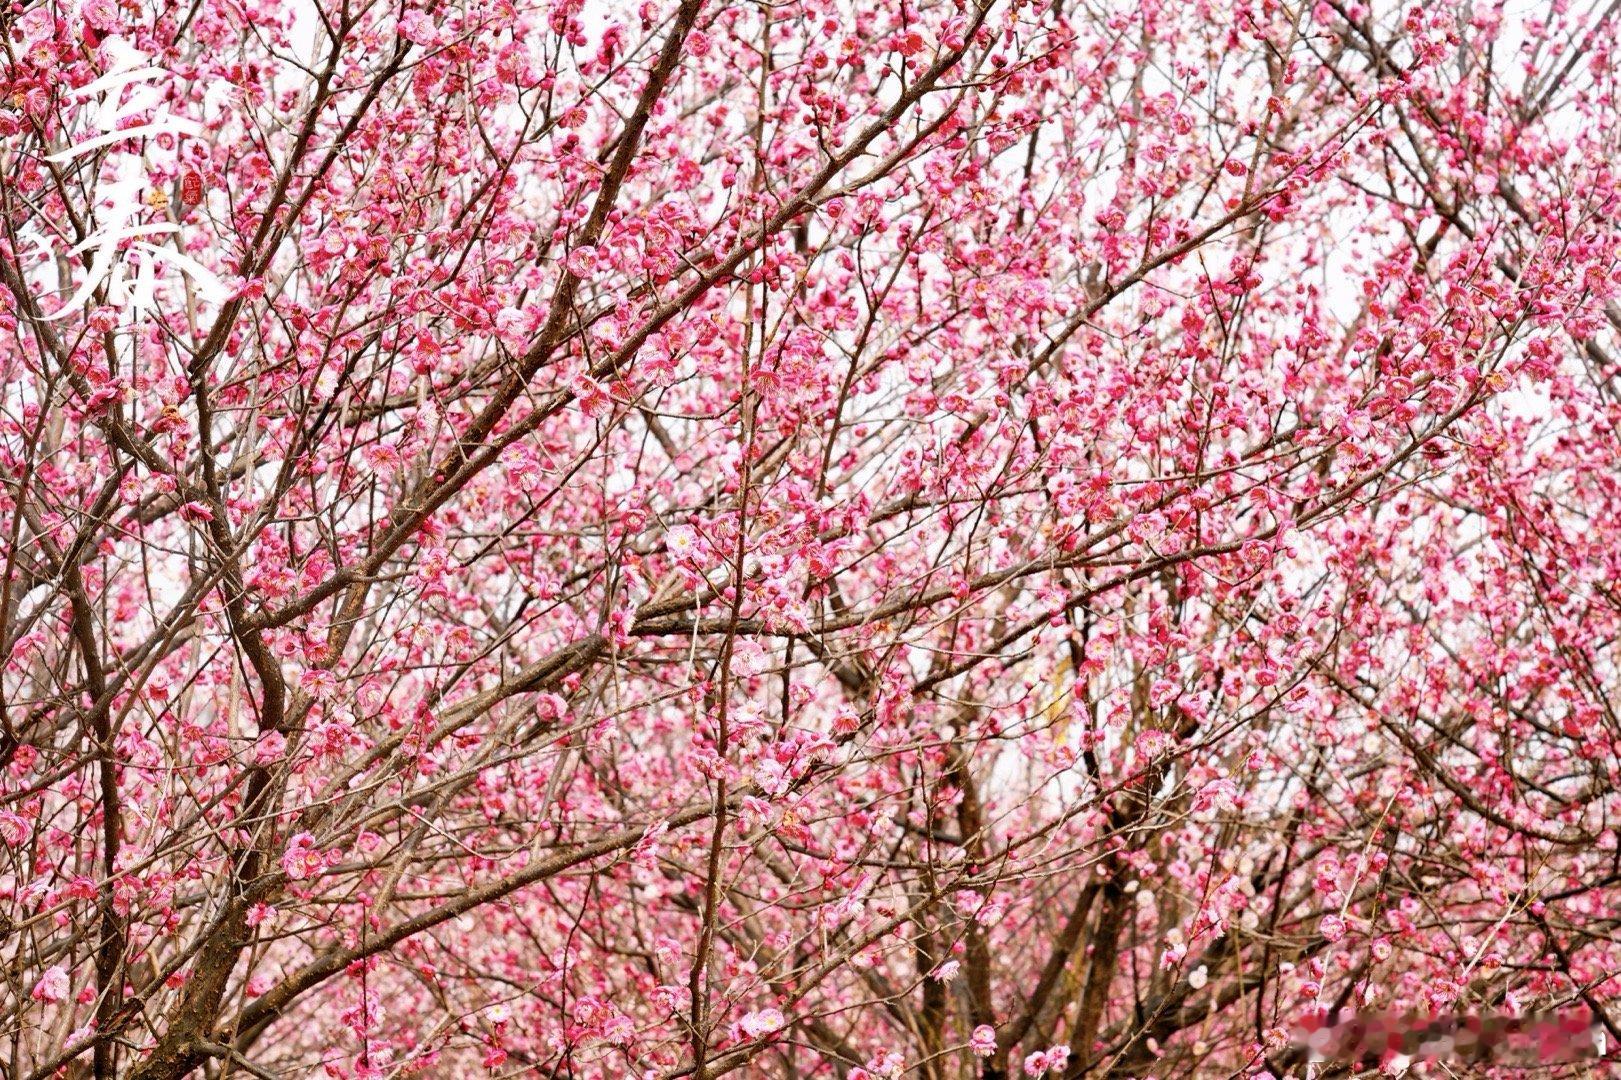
[[761, 1023], [302, 858], [13, 828], [52, 986]]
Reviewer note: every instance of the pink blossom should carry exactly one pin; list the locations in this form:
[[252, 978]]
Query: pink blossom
[[1220, 795], [1162, 693], [1044, 1061], [52, 986], [805, 506], [583, 261], [762, 1022], [14, 828], [770, 775], [417, 27], [302, 859], [271, 748]]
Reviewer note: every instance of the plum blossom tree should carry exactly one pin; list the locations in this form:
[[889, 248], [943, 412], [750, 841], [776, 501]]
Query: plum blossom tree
[[823, 538]]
